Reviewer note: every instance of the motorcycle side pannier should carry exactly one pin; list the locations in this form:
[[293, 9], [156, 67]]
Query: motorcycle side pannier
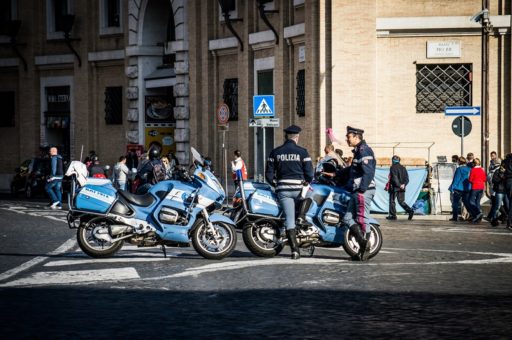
[[96, 198]]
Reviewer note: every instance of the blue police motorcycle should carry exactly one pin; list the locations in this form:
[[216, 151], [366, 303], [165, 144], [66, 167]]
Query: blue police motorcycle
[[172, 213], [257, 212]]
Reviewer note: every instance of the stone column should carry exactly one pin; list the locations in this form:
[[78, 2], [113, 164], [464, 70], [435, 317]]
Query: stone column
[[181, 89]]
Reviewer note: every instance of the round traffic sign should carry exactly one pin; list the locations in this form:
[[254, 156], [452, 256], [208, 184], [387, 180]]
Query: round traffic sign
[[457, 126], [223, 114]]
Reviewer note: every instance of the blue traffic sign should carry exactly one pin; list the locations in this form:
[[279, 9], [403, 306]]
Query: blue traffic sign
[[263, 106], [462, 111]]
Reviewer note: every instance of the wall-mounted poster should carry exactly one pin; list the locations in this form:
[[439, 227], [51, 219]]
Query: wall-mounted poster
[[159, 109], [160, 137]]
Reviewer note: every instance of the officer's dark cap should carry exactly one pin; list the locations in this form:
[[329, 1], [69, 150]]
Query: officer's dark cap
[[354, 130], [293, 130]]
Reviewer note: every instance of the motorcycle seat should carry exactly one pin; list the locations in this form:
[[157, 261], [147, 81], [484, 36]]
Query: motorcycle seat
[[141, 200]]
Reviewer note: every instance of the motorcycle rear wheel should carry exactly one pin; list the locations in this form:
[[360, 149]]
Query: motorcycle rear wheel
[[259, 241], [352, 247], [93, 246], [214, 245]]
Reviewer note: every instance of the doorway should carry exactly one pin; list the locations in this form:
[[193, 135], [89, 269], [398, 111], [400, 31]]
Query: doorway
[[57, 119]]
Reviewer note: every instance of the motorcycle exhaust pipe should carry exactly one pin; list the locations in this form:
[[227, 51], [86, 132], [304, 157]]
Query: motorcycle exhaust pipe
[[119, 229]]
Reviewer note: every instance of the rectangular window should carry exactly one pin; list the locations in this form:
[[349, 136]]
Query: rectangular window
[[8, 113], [441, 85], [5, 11], [114, 105], [266, 82], [230, 97], [301, 94], [5, 17], [60, 9], [58, 18], [113, 13], [111, 21]]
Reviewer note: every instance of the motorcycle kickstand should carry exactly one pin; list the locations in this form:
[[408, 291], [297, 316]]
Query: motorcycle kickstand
[[163, 249]]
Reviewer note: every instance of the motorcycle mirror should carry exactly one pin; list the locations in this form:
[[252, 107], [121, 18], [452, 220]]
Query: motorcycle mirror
[[197, 156]]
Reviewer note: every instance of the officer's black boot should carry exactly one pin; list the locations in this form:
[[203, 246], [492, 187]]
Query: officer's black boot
[[363, 244], [304, 207], [292, 241]]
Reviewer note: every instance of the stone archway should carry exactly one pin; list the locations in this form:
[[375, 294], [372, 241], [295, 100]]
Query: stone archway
[[136, 13]]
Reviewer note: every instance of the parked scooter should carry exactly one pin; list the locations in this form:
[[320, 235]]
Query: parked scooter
[[256, 210], [171, 213]]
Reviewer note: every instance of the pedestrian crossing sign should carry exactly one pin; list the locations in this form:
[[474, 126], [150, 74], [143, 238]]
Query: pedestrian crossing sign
[[263, 106]]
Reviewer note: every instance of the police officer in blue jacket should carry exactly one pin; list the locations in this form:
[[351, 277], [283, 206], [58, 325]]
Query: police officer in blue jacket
[[362, 185], [289, 167]]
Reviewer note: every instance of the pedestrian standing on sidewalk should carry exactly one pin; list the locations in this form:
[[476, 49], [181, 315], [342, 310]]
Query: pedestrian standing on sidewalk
[[54, 184], [494, 162], [238, 164], [398, 180], [477, 178], [460, 189], [121, 173], [499, 194], [470, 158]]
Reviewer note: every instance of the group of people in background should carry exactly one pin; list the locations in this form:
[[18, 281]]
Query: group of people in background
[[468, 187], [150, 168]]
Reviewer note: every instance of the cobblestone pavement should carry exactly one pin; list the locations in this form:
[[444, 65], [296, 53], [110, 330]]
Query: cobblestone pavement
[[432, 279]]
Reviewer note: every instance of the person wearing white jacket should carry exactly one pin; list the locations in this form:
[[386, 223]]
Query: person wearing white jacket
[[121, 172]]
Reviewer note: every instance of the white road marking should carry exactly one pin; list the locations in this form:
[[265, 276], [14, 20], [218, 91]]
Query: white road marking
[[232, 265], [69, 244], [454, 251], [340, 249], [26, 211], [78, 276], [454, 229], [473, 231], [112, 260]]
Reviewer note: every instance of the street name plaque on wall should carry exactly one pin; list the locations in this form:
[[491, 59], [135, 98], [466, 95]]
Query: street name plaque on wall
[[443, 49]]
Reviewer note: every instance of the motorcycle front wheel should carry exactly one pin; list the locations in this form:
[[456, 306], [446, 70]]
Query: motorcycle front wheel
[[213, 243], [261, 238], [93, 236], [352, 247]]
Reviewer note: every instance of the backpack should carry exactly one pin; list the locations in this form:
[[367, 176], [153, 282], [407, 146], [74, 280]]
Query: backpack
[[158, 173]]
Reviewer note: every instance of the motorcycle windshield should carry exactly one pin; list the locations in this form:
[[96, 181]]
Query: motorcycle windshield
[[210, 180]]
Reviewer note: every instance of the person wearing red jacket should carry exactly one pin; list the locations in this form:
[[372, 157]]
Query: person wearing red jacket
[[477, 178]]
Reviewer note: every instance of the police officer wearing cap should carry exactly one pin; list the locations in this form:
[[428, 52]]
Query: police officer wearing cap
[[289, 166], [362, 185]]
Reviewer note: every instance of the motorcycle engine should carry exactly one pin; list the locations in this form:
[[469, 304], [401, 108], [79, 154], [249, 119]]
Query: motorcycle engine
[[168, 215], [330, 217], [308, 234]]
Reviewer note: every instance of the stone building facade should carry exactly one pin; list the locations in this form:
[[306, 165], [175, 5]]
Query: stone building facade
[[385, 66]]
